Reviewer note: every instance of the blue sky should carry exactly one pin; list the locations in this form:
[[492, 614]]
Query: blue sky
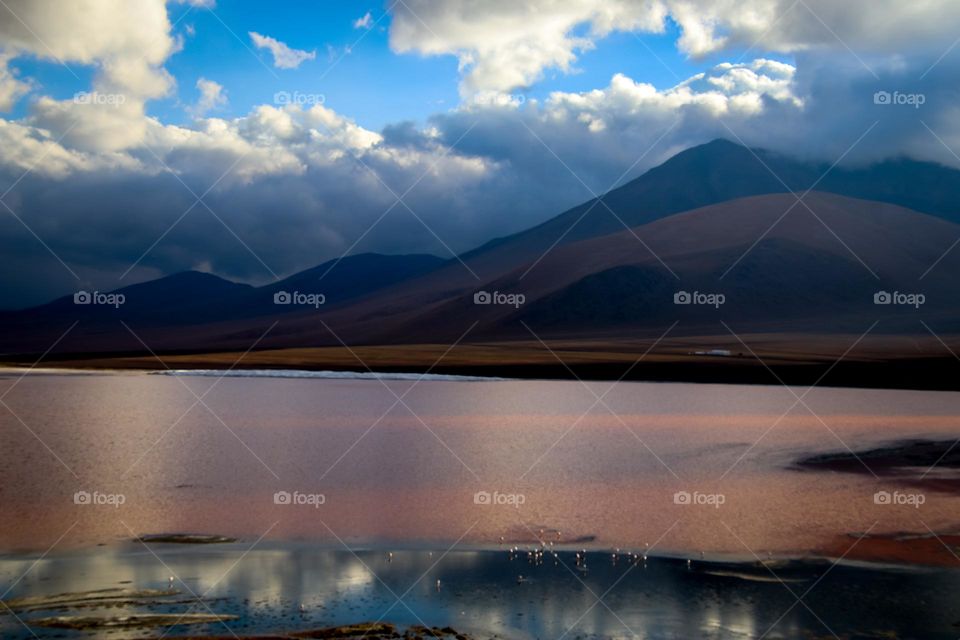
[[354, 70]]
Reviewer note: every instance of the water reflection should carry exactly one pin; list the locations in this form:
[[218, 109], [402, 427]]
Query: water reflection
[[390, 478], [480, 593]]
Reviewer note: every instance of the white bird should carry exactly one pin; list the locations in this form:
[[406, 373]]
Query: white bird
[[688, 563], [390, 556], [438, 584], [303, 609]]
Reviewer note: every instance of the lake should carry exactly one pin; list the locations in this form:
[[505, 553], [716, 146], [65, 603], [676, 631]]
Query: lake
[[315, 466]]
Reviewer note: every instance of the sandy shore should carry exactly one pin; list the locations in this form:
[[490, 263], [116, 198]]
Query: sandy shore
[[772, 359]]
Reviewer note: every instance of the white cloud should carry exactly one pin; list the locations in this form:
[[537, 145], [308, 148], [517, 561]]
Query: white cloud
[[504, 44], [11, 87], [27, 148], [283, 56], [212, 96], [364, 22], [126, 42]]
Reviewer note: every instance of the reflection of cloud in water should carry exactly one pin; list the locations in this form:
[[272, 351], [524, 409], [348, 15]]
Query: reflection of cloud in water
[[480, 592]]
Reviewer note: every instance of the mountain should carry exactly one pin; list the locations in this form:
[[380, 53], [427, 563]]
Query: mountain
[[712, 218], [817, 267], [191, 298], [700, 176], [357, 275]]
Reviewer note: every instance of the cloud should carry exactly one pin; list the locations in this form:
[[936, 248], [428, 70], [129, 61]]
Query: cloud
[[11, 87], [212, 96], [283, 56], [126, 42], [290, 186], [364, 22], [503, 45]]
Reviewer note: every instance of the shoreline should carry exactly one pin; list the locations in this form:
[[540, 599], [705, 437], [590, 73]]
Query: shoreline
[[899, 373]]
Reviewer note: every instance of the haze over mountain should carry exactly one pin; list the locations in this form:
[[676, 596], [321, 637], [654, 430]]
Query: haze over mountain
[[714, 218]]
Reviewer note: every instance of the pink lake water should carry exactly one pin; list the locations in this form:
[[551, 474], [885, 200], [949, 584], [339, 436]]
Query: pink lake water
[[417, 473]]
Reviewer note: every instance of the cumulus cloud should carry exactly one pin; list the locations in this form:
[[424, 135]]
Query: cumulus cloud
[[11, 87], [212, 96], [503, 44], [283, 56], [125, 41]]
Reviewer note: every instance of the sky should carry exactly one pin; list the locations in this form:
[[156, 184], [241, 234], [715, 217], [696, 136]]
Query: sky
[[140, 138]]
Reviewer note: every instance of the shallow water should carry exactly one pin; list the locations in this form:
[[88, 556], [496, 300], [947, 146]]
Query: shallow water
[[480, 593], [407, 474]]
